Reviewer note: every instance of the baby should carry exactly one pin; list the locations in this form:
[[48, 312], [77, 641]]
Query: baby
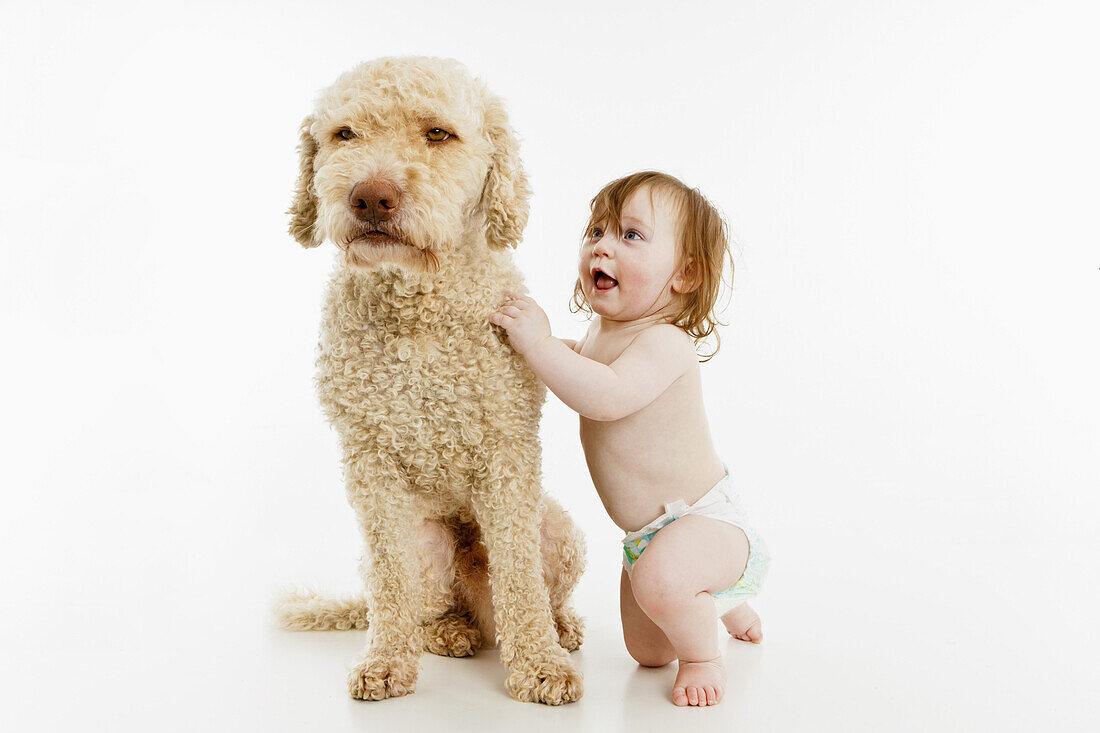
[[650, 267]]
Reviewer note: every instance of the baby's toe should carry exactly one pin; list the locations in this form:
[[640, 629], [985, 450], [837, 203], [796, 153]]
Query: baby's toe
[[679, 696]]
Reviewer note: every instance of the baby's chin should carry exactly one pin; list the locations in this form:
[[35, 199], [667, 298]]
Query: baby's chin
[[599, 306], [605, 311]]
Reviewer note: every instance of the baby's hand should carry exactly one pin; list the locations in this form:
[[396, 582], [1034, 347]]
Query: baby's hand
[[523, 319]]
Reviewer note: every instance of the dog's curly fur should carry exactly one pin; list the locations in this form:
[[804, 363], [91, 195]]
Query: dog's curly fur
[[437, 415]]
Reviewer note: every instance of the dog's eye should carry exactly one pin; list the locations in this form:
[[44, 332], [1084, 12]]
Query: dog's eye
[[345, 133], [437, 135]]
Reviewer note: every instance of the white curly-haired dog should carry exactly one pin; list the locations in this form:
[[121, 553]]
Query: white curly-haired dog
[[410, 167]]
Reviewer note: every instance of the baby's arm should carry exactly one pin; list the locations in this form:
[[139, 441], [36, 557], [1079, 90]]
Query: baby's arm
[[577, 345], [653, 361]]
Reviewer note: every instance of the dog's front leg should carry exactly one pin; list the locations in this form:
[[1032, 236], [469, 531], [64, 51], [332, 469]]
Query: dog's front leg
[[541, 670], [390, 663]]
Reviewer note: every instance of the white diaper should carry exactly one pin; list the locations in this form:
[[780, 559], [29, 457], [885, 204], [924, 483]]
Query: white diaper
[[721, 503]]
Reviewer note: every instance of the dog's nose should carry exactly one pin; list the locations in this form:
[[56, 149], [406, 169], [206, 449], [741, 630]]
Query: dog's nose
[[375, 200]]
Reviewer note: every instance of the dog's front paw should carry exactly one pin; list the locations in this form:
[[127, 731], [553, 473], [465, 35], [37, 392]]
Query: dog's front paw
[[552, 680], [377, 679]]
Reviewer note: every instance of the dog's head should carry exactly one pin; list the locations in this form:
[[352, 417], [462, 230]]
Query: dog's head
[[400, 158]]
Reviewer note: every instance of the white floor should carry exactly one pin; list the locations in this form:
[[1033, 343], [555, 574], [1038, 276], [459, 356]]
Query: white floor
[[152, 617]]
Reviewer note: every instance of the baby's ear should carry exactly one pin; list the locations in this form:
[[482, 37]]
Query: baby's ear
[[303, 210], [689, 278], [506, 196]]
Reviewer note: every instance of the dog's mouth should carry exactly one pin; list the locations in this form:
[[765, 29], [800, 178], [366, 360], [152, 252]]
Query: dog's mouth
[[367, 249], [376, 238]]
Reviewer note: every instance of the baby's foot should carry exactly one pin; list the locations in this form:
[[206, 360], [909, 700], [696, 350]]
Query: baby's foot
[[699, 683], [743, 623]]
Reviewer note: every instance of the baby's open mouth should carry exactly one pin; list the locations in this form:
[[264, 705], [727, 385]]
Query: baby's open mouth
[[604, 282]]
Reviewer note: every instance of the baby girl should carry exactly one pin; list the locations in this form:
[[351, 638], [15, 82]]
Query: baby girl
[[650, 268]]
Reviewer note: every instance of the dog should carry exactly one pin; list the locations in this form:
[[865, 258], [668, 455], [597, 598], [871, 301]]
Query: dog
[[409, 166]]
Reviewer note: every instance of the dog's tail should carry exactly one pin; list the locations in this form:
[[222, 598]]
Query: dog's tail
[[307, 610]]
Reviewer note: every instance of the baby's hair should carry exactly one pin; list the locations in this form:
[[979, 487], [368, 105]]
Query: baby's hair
[[703, 240]]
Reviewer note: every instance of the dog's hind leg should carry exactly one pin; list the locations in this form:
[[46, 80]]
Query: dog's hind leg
[[563, 561], [451, 634], [449, 630]]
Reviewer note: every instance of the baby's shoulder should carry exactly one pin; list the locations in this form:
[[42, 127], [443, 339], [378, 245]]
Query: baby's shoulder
[[668, 341], [668, 335]]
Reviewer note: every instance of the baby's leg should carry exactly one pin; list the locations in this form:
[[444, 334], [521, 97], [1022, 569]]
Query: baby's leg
[[743, 623], [685, 561], [644, 639]]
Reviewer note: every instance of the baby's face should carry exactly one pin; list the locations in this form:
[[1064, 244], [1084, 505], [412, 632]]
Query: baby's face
[[639, 263]]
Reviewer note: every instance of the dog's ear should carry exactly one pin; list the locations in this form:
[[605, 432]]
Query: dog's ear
[[507, 195], [303, 210]]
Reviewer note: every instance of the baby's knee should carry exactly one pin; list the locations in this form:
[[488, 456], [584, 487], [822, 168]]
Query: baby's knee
[[652, 657]]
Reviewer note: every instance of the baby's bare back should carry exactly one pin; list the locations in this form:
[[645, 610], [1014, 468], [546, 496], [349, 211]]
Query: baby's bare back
[[661, 453]]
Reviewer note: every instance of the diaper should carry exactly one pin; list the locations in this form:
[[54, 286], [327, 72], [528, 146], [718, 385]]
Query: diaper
[[721, 503]]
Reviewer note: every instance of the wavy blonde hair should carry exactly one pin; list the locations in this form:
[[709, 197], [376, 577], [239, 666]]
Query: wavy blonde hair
[[703, 247]]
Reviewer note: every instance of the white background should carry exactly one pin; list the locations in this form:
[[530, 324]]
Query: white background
[[907, 389]]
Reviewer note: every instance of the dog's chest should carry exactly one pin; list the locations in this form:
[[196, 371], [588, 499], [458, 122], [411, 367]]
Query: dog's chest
[[422, 387]]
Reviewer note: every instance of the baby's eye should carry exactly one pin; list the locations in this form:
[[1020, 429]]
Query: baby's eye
[[596, 233], [636, 234]]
